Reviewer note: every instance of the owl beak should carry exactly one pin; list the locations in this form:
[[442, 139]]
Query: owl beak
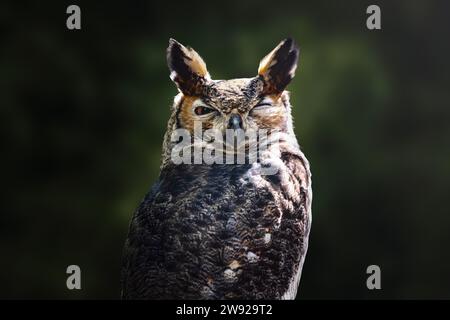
[[235, 122]]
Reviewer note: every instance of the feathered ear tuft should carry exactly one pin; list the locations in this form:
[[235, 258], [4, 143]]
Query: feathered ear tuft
[[187, 68], [277, 69]]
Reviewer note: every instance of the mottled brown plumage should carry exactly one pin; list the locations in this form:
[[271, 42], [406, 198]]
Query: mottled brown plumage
[[224, 231]]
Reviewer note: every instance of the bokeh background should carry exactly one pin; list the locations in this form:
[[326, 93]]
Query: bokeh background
[[83, 113]]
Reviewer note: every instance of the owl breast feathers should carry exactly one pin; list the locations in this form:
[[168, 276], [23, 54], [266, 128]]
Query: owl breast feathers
[[224, 230]]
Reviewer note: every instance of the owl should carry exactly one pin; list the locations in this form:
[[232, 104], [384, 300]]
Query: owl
[[226, 229]]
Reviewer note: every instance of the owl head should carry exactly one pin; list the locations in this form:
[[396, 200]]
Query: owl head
[[253, 103]]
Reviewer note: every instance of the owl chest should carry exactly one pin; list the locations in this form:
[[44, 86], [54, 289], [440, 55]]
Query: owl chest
[[220, 210], [221, 232]]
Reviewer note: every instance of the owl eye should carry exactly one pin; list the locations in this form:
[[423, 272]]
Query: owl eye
[[202, 110], [262, 105]]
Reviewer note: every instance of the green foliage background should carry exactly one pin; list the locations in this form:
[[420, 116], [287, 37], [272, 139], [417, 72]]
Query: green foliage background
[[83, 114]]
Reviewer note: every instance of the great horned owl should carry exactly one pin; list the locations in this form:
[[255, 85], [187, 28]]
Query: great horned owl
[[221, 230]]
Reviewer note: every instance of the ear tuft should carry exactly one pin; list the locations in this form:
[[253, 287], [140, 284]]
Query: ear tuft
[[277, 69], [187, 68]]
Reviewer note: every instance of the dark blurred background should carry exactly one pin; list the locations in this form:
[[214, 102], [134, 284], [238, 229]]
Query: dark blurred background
[[83, 114]]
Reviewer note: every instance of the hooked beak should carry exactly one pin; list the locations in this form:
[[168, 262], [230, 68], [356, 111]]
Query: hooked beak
[[235, 122]]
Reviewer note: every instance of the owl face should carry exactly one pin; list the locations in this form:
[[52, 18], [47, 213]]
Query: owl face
[[251, 103], [233, 104]]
